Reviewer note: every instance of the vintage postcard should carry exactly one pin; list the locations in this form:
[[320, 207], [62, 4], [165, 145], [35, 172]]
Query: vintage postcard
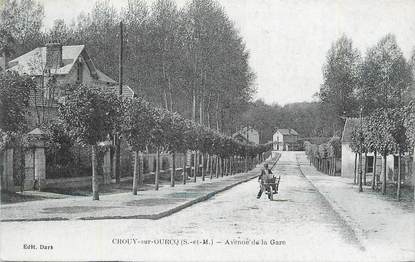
[[207, 130]]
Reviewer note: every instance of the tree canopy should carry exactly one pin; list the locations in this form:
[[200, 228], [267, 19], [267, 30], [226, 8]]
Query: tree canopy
[[341, 78], [90, 115], [14, 101], [385, 76]]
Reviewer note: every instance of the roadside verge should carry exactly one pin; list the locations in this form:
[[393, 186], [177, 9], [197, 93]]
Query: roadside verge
[[146, 205]]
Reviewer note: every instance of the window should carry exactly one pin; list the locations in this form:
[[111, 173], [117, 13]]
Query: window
[[370, 164]]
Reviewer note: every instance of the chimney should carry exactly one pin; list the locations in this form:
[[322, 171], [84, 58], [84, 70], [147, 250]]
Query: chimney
[[53, 55]]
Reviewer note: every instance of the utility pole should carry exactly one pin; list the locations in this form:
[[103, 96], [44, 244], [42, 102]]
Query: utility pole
[[246, 153], [360, 152], [117, 140], [121, 57]]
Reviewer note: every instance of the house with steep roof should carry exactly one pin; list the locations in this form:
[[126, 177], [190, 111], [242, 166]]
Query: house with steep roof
[[247, 134], [56, 69], [285, 139]]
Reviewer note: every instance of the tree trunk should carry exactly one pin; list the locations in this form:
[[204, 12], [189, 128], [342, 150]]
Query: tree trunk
[[194, 106], [211, 166], [398, 189], [173, 169], [221, 166], [384, 174], [365, 170], [201, 104], [196, 168], [156, 182], [170, 93], [207, 164], [217, 166], [217, 114], [355, 167], [184, 169], [166, 104], [413, 170], [360, 173], [330, 161], [141, 168], [95, 181], [204, 166], [374, 171], [225, 168], [116, 159], [135, 174], [326, 166]]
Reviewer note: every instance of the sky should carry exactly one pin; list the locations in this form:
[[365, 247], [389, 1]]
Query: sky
[[288, 39]]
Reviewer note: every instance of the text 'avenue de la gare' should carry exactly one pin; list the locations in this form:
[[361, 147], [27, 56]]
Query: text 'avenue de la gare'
[[184, 242]]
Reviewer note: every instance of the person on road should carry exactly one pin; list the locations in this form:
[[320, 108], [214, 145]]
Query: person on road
[[266, 177]]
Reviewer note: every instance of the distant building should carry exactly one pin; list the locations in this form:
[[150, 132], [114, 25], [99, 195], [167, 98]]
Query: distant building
[[240, 138], [247, 134], [285, 139]]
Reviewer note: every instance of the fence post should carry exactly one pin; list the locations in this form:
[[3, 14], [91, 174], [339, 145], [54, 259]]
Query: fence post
[[7, 176], [106, 165], [37, 139]]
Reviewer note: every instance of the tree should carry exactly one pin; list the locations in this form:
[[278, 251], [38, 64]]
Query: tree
[[99, 31], [135, 127], [25, 32], [138, 69], [6, 45], [218, 77], [175, 141], [340, 80], [14, 101], [163, 30], [359, 146], [191, 60], [399, 118], [60, 33], [385, 76], [380, 125], [90, 115], [410, 134], [335, 151]]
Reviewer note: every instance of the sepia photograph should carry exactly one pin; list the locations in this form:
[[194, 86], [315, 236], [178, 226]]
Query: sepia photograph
[[207, 130]]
